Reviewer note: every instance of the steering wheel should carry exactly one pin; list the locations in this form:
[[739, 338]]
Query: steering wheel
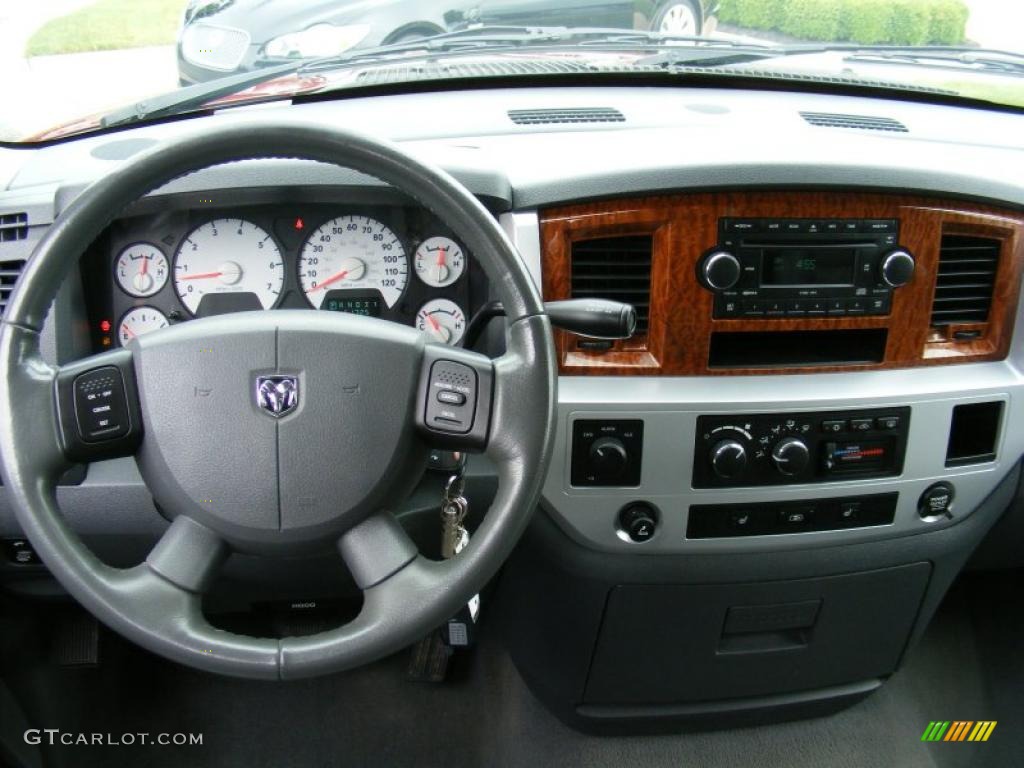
[[276, 433]]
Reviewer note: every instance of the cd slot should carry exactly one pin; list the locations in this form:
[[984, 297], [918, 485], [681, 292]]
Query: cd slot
[[785, 349]]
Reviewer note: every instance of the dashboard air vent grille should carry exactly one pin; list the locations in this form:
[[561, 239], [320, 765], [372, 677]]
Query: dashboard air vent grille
[[13, 226], [862, 122], [616, 268], [9, 271], [967, 275], [577, 115]]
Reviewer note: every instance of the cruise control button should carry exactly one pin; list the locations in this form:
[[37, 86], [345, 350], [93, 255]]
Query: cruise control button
[[101, 407], [450, 397]]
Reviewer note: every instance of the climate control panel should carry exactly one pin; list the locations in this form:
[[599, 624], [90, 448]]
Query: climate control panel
[[779, 449]]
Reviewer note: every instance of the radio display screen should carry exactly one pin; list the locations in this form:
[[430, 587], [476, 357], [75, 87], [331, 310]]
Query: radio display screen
[[808, 266]]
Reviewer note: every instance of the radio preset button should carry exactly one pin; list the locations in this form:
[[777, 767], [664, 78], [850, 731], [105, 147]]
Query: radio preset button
[[753, 308], [855, 306], [774, 308], [816, 308], [796, 307]]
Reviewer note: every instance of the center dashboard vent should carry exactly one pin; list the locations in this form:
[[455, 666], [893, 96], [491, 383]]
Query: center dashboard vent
[[616, 268], [571, 115], [861, 122], [967, 276]]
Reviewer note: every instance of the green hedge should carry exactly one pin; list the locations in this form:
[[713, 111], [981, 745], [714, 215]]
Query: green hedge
[[871, 22]]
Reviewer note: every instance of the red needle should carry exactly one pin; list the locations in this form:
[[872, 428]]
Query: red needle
[[126, 329], [201, 276], [433, 322], [329, 280], [145, 266], [441, 253]]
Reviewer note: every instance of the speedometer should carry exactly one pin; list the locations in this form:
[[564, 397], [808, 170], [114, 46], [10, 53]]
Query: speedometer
[[229, 256], [353, 253]]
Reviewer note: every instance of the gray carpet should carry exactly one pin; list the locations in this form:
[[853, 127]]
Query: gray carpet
[[968, 667]]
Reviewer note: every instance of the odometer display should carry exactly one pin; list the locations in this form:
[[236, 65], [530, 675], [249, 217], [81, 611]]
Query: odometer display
[[368, 306], [353, 253]]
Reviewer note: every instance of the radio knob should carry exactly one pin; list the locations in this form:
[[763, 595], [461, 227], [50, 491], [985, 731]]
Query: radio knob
[[608, 457], [720, 271], [791, 456], [897, 268], [728, 458]]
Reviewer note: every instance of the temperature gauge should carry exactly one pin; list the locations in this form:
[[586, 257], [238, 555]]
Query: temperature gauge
[[139, 321], [439, 261], [443, 320], [141, 270]]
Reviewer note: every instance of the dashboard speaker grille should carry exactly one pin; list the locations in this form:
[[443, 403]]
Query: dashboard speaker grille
[[576, 115], [616, 268], [967, 275], [862, 122]]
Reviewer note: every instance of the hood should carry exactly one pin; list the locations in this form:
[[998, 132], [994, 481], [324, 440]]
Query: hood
[[266, 19]]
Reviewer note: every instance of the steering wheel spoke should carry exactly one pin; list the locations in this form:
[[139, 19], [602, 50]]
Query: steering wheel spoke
[[376, 549], [98, 414], [188, 555]]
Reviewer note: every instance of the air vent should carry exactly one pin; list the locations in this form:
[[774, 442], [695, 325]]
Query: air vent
[[862, 122], [616, 268], [967, 274], [581, 115], [9, 271], [13, 226]]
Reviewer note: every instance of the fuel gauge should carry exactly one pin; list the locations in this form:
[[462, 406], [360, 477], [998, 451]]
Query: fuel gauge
[[443, 320], [141, 270], [439, 261], [139, 321]]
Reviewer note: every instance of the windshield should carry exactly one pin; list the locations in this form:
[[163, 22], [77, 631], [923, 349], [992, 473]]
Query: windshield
[[72, 66]]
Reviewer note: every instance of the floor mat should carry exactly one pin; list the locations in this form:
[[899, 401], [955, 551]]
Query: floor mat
[[968, 667]]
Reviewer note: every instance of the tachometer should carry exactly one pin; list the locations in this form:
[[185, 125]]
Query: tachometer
[[353, 253], [139, 321], [228, 256], [141, 269]]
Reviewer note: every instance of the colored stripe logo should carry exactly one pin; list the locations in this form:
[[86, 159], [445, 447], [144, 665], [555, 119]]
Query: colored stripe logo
[[958, 730]]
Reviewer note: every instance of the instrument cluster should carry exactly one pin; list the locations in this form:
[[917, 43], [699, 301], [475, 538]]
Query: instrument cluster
[[396, 262]]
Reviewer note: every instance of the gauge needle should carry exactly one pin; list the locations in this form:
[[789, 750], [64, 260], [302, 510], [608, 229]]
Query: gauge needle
[[332, 279], [436, 325], [127, 330], [201, 276], [441, 256], [145, 266]]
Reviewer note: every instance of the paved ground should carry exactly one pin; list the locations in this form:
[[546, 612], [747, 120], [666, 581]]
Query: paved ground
[[79, 84]]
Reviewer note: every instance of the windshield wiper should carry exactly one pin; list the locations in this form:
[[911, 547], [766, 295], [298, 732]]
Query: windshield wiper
[[490, 38], [505, 38], [975, 59], [194, 96]]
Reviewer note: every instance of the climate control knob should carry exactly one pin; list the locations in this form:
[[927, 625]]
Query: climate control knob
[[608, 457], [720, 270], [728, 458], [791, 456], [897, 268]]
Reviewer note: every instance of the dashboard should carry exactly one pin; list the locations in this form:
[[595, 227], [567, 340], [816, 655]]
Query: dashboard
[[217, 253], [815, 425]]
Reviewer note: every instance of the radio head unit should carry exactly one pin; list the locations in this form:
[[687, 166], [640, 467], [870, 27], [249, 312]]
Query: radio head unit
[[805, 267]]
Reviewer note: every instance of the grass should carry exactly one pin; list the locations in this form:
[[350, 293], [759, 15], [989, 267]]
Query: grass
[[109, 25]]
